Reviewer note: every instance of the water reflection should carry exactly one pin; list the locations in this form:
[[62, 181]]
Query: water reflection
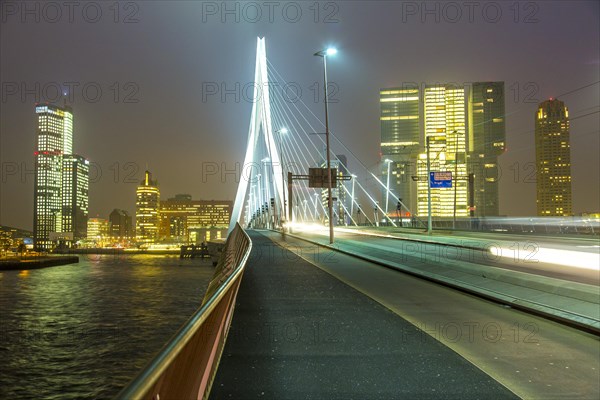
[[84, 330]]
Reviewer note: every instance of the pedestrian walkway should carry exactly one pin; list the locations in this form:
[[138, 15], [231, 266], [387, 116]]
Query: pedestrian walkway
[[299, 333]]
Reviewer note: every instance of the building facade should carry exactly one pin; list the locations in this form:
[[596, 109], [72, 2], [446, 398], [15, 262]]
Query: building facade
[[61, 179], [121, 227], [75, 195], [400, 141], [97, 230], [466, 130], [146, 210], [184, 220], [487, 137], [445, 127], [553, 159]]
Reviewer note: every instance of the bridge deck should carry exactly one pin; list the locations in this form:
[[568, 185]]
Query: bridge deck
[[298, 332]]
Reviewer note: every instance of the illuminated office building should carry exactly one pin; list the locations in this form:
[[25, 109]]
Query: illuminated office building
[[184, 220], [445, 125], [400, 134], [487, 135], [97, 230], [61, 179], [553, 159], [146, 214], [75, 195]]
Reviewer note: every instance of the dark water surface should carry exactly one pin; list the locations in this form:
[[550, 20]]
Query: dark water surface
[[85, 330]]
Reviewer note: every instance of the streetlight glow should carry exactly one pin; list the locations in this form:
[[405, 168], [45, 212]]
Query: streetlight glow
[[332, 51]]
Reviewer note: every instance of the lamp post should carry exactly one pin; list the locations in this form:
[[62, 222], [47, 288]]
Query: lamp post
[[323, 54], [387, 193], [429, 222], [282, 132], [455, 181]]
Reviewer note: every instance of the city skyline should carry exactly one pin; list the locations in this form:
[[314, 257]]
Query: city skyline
[[122, 145], [300, 199]]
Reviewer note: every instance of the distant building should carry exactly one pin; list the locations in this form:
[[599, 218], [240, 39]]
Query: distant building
[[193, 221], [61, 180], [445, 125], [553, 159], [97, 230], [75, 195], [400, 142], [466, 129], [121, 226], [487, 137], [10, 237], [146, 214]]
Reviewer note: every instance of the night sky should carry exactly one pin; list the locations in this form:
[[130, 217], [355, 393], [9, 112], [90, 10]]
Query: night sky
[[169, 51]]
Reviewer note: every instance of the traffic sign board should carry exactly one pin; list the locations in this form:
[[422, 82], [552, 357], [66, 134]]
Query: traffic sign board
[[440, 179]]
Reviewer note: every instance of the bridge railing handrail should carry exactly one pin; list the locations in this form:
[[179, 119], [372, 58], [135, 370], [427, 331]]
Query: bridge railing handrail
[[186, 365]]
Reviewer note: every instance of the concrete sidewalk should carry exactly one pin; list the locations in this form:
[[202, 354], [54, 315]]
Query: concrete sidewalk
[[299, 333]]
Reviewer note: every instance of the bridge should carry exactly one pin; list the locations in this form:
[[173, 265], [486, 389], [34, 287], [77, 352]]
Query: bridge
[[506, 308]]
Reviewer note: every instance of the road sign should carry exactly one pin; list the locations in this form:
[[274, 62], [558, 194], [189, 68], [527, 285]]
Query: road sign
[[440, 179], [317, 177]]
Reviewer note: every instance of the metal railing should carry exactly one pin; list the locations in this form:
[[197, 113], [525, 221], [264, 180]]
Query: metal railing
[[185, 367]]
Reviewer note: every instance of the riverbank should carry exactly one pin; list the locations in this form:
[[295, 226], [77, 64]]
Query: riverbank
[[36, 262]]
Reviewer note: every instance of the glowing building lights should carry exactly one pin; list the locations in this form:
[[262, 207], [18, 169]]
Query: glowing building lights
[[61, 180], [146, 214], [553, 159]]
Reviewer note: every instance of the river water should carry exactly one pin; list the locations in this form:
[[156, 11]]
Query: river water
[[85, 330]]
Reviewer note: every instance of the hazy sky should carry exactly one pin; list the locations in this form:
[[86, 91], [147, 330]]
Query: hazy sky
[[163, 56]]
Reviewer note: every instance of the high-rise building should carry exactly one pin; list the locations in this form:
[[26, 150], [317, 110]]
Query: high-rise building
[[61, 179], [466, 130], [445, 126], [400, 141], [75, 195], [553, 159], [193, 221], [120, 224], [146, 214], [487, 136]]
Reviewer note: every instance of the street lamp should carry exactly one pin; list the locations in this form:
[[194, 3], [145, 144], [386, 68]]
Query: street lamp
[[429, 222], [324, 54], [282, 132], [387, 193]]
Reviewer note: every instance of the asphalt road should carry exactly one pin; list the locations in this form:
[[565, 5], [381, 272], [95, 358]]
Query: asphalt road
[[528, 256], [300, 333], [533, 357]]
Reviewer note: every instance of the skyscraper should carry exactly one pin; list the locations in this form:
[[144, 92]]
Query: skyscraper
[[553, 159], [445, 125], [61, 179], [400, 141], [147, 206], [75, 189], [487, 135]]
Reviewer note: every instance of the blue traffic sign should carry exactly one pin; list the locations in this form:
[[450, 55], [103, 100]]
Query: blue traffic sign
[[440, 180]]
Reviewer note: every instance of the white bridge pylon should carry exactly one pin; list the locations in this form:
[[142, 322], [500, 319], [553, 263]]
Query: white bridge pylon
[[260, 129]]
